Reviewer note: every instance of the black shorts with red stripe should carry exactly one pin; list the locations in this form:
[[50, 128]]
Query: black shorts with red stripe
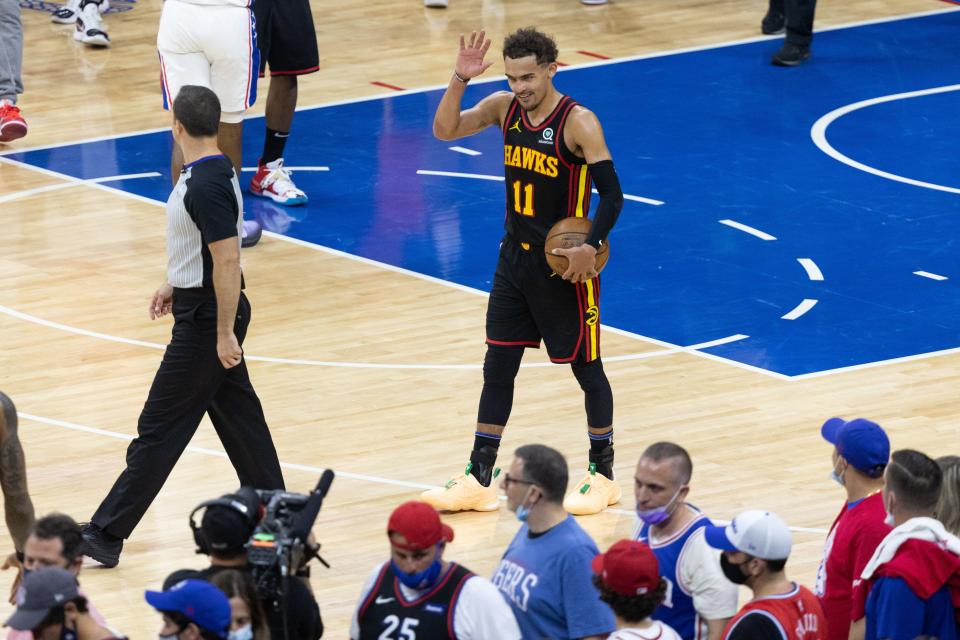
[[286, 37], [528, 302]]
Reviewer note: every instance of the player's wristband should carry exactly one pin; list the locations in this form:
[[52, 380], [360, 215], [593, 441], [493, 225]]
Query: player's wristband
[[460, 78]]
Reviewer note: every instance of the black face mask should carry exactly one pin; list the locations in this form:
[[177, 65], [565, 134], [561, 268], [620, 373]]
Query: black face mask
[[733, 572]]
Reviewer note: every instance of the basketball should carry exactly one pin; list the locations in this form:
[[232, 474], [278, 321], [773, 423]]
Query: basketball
[[569, 233]]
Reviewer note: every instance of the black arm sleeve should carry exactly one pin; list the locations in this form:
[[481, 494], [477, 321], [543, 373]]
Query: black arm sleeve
[[611, 201], [756, 626]]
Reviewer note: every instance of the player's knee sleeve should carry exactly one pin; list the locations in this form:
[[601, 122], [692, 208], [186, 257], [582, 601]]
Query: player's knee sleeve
[[500, 367], [598, 396]]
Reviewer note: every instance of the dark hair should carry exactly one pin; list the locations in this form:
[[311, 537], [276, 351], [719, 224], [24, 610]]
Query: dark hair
[[62, 526], [547, 468], [239, 584], [181, 620], [57, 615], [530, 42], [775, 566], [948, 507], [226, 531], [915, 479], [198, 110], [632, 608], [666, 451]]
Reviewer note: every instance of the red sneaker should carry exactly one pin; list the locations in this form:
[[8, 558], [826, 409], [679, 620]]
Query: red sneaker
[[12, 124], [273, 181]]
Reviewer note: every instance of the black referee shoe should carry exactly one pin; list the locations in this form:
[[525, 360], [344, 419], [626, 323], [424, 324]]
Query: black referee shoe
[[773, 23], [101, 546], [790, 55]]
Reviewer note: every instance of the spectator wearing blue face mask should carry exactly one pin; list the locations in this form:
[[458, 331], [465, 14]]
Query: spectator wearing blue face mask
[[418, 594], [546, 573], [700, 600]]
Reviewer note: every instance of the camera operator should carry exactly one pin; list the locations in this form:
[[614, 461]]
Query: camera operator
[[224, 531]]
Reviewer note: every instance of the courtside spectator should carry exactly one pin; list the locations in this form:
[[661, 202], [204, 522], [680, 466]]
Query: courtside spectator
[[860, 454], [701, 600], [755, 547], [628, 578], [440, 599]]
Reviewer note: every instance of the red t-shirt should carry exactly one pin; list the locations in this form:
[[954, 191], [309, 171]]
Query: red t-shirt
[[850, 544], [796, 615]]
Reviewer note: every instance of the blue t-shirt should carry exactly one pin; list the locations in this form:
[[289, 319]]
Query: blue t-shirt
[[895, 612], [547, 581]]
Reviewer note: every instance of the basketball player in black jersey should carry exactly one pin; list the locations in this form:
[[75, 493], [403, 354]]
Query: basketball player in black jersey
[[553, 151]]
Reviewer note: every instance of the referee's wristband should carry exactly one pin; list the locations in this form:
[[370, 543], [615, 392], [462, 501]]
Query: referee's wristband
[[460, 78]]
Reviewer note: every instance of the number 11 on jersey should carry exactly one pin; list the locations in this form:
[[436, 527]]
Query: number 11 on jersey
[[527, 198]]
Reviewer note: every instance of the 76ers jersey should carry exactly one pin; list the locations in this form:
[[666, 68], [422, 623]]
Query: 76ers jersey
[[545, 180], [796, 614]]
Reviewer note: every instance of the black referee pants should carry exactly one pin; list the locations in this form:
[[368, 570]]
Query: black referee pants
[[799, 20], [190, 382]]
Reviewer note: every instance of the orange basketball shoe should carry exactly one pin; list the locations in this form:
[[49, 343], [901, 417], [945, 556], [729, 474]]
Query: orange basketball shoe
[[12, 124], [593, 494], [464, 493]]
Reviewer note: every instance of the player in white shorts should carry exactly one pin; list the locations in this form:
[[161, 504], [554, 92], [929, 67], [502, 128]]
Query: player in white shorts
[[212, 43]]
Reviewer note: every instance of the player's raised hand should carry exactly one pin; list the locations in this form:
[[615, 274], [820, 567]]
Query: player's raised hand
[[470, 61]]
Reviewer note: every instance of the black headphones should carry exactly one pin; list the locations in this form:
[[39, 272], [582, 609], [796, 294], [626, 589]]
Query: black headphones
[[244, 501]]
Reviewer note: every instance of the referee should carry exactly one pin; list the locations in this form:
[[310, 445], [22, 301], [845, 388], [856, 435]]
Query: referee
[[203, 370]]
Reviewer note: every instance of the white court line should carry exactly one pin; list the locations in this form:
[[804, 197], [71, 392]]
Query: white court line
[[813, 271], [355, 365], [763, 235], [480, 176], [67, 185], [464, 150], [800, 309], [927, 274], [292, 465], [819, 135], [572, 67], [254, 169]]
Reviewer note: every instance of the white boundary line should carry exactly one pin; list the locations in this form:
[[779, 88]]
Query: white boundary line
[[465, 151], [927, 274], [254, 169], [476, 81], [68, 185], [818, 133], [813, 271], [292, 465], [763, 235], [800, 309]]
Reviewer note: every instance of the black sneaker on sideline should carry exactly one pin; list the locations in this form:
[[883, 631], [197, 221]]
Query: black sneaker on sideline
[[100, 545], [790, 55], [773, 23]]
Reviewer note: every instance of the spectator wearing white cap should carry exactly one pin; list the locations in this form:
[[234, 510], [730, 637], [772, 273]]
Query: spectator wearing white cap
[[755, 547], [628, 579], [861, 451], [418, 594], [50, 607]]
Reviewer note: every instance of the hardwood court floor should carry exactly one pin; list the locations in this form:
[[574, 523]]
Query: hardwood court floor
[[88, 259]]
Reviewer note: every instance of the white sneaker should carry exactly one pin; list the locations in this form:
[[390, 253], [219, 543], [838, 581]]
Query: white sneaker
[[274, 182], [435, 4], [593, 2], [67, 14], [89, 28]]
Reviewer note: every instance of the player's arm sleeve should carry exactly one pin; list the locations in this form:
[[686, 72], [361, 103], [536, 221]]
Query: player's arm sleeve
[[897, 611], [756, 625], [587, 615], [483, 613], [364, 592], [714, 597], [611, 201], [214, 207]]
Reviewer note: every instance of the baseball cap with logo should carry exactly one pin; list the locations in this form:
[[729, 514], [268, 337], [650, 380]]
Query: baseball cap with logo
[[628, 568], [200, 601], [864, 444], [419, 524], [42, 591], [761, 534]]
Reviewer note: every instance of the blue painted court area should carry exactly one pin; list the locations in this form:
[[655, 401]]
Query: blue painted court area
[[717, 134]]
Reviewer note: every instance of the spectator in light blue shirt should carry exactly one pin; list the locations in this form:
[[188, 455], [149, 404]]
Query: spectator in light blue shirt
[[545, 574]]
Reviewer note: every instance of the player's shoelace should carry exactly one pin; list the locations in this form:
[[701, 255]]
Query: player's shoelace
[[279, 179]]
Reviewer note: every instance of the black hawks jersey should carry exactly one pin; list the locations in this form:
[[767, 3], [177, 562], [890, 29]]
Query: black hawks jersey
[[386, 614], [545, 180]]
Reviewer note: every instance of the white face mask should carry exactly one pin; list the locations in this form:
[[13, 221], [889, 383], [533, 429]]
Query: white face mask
[[243, 633]]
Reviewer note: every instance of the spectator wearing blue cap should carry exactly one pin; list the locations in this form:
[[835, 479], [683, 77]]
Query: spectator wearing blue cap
[[861, 451], [192, 610]]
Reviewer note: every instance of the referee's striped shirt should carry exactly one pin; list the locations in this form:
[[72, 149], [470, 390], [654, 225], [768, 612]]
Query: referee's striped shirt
[[205, 206]]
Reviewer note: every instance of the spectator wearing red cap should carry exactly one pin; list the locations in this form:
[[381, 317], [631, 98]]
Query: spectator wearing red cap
[[628, 578], [419, 594], [861, 451], [755, 547]]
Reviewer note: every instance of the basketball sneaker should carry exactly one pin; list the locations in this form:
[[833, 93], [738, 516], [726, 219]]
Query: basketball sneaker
[[89, 27], [273, 181], [464, 493], [67, 14], [593, 494], [251, 233], [12, 124], [435, 4]]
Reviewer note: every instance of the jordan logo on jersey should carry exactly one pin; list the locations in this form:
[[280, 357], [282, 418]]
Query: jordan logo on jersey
[[516, 126], [530, 159]]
